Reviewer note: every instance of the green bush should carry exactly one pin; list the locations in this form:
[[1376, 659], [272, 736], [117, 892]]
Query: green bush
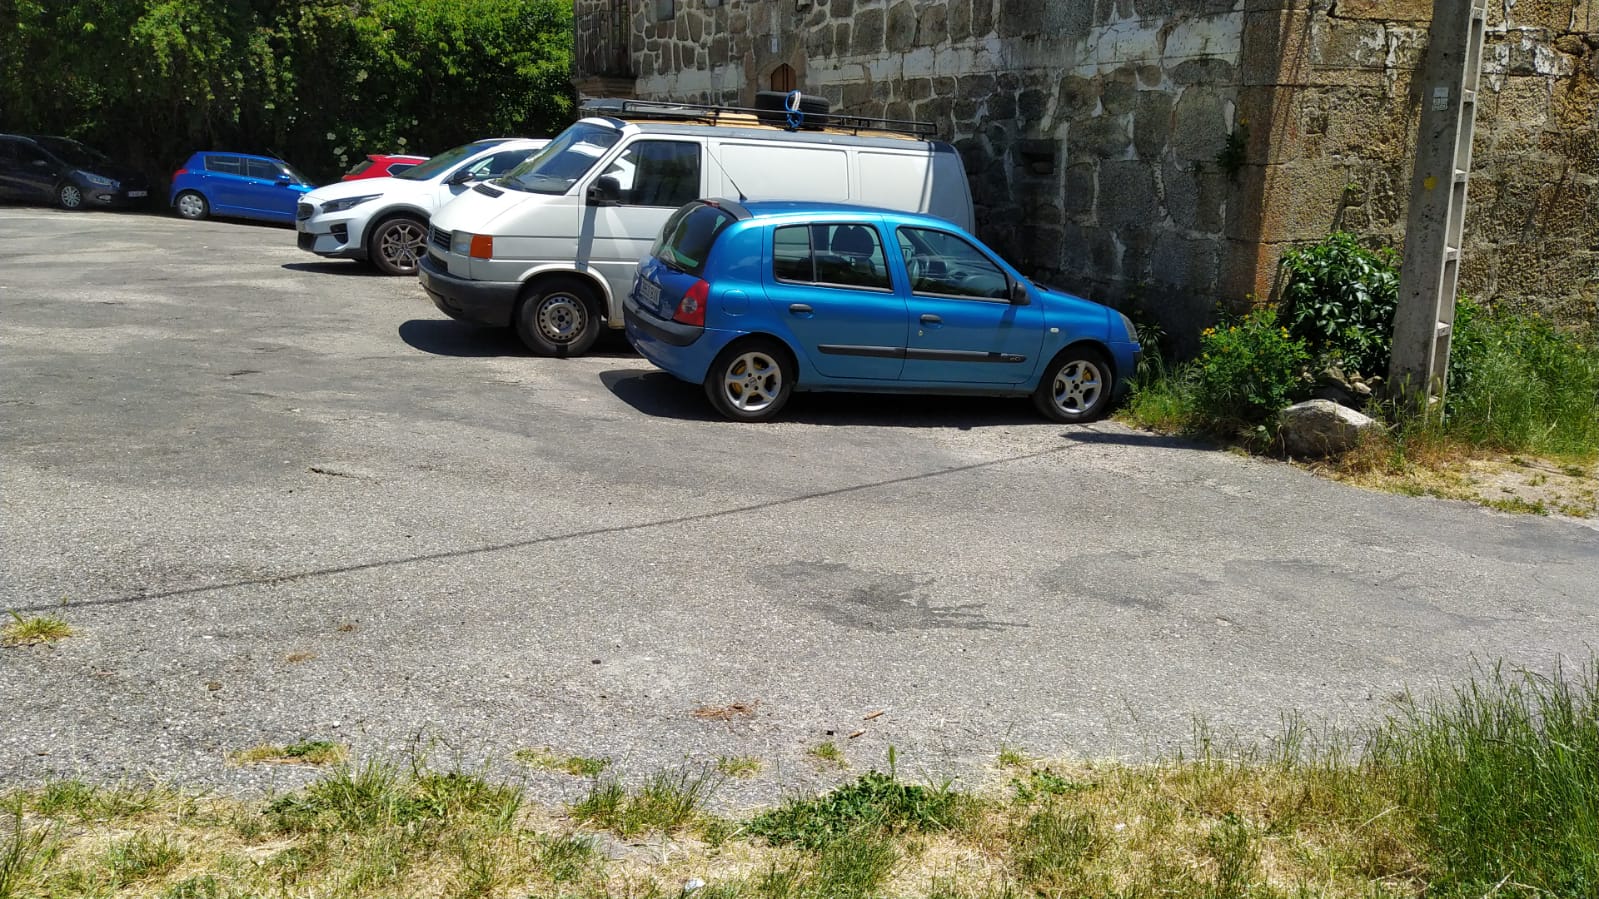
[[1339, 298], [1248, 370], [321, 82], [1517, 383]]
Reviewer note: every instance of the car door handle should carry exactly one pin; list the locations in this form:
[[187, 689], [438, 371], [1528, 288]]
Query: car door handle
[[799, 309], [931, 319]]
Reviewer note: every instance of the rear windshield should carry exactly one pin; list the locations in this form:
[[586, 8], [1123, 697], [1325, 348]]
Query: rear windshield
[[438, 164], [360, 167], [686, 240]]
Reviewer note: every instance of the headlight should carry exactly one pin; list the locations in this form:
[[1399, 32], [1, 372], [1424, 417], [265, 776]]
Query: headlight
[[1132, 332], [99, 180], [461, 243], [347, 203]]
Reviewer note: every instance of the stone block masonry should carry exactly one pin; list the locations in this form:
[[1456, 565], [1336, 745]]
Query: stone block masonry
[[1160, 154]]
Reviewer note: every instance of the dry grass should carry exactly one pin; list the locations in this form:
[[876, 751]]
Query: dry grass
[[1436, 465], [308, 752], [1201, 828]]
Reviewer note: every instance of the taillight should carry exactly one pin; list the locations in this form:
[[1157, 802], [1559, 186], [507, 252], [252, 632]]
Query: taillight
[[180, 172], [692, 310]]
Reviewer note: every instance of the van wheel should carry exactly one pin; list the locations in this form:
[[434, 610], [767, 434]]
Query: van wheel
[[192, 206], [1076, 387], [397, 244], [559, 317], [750, 380]]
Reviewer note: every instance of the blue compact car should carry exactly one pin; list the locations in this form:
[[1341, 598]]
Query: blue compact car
[[756, 300], [237, 186]]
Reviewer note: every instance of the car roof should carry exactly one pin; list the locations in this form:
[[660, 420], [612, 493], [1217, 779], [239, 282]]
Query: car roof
[[771, 134], [812, 210], [240, 155]]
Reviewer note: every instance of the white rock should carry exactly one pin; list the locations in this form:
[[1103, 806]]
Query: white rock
[[1322, 428]]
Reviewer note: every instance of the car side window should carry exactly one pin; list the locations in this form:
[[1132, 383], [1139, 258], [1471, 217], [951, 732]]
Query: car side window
[[657, 173], [27, 154], [841, 255], [226, 165], [260, 168], [8, 153], [943, 264]]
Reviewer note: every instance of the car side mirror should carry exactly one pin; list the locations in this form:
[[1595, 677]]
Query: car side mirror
[[1018, 293], [283, 178], [605, 191], [461, 176]]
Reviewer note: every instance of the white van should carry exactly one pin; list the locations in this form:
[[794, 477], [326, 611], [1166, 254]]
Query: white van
[[551, 247]]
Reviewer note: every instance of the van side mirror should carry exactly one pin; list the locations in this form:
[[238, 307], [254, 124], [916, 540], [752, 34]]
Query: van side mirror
[[605, 191], [1018, 293], [461, 176]]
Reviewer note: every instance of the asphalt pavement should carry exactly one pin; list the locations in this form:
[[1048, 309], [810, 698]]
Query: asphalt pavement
[[281, 498]]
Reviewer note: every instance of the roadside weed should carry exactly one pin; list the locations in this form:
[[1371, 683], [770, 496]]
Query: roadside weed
[[575, 765], [20, 631], [1490, 791], [666, 801], [828, 753], [740, 766], [306, 752]]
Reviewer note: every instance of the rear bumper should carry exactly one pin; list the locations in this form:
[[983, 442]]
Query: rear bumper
[[684, 351], [475, 302]]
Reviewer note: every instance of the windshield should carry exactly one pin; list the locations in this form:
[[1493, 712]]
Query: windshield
[[442, 162], [296, 174], [554, 169], [73, 152]]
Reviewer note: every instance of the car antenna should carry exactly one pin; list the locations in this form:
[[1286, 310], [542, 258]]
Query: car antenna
[[741, 197]]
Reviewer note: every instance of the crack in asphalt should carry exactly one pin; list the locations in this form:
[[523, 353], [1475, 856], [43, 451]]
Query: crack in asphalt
[[293, 577]]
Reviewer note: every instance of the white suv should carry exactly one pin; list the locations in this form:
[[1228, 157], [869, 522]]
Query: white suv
[[385, 220]]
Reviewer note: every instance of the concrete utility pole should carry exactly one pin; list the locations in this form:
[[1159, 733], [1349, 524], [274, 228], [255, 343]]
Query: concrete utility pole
[[1425, 317]]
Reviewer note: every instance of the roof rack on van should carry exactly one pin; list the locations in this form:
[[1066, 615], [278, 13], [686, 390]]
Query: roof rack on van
[[744, 116]]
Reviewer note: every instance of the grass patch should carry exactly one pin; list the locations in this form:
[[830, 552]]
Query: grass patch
[[306, 752], [1522, 393], [20, 631], [666, 801], [873, 803], [1492, 790], [547, 760], [739, 766], [828, 754]]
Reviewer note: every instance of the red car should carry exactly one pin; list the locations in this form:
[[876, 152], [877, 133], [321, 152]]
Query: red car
[[380, 166]]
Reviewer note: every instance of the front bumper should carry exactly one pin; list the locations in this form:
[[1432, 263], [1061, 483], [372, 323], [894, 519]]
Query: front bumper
[[114, 198], [475, 302], [326, 236]]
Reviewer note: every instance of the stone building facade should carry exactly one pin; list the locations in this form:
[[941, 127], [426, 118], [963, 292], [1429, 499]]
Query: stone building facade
[[1160, 154]]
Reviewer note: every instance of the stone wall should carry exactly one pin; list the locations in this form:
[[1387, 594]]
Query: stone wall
[[1336, 129], [1160, 154]]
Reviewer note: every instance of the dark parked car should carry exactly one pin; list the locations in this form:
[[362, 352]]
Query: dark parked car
[[237, 185], [62, 171]]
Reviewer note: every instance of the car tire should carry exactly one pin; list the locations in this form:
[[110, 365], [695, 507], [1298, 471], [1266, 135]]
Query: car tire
[[1076, 387], [69, 196], [396, 244], [751, 380], [192, 205], [558, 317]]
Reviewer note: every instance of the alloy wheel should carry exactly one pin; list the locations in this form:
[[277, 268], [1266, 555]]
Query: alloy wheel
[[1077, 387], [752, 382]]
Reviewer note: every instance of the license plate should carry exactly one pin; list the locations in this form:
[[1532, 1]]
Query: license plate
[[138, 193], [649, 294]]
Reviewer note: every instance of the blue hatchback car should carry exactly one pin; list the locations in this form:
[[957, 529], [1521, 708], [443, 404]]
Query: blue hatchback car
[[756, 300], [237, 186]]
